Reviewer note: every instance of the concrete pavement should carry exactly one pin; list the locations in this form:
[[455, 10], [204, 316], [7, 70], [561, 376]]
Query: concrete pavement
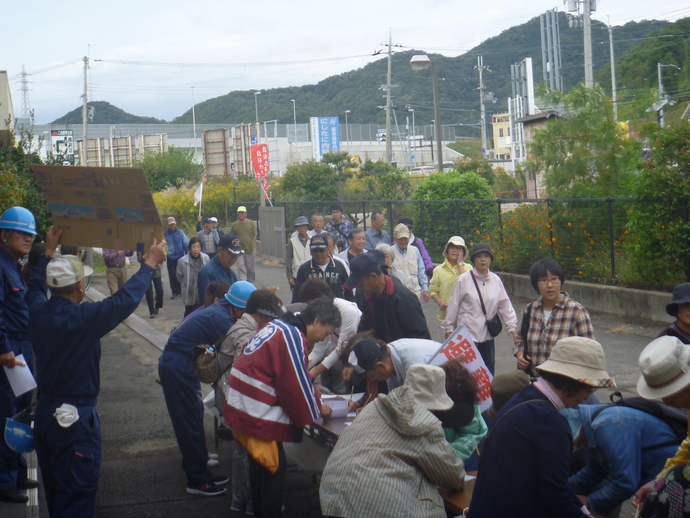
[[141, 473]]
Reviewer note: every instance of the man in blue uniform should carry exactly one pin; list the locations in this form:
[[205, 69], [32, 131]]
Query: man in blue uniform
[[218, 268], [182, 389], [66, 337], [17, 233]]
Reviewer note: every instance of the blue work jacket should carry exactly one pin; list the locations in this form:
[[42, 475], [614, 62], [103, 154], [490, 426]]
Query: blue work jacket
[[66, 336], [14, 313], [178, 244], [213, 271], [204, 327], [616, 440]]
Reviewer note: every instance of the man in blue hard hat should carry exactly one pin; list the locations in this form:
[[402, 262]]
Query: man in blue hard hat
[[17, 233], [66, 337], [182, 388]]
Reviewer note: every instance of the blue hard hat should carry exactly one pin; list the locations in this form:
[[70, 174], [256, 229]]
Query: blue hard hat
[[238, 294], [19, 436], [18, 218]]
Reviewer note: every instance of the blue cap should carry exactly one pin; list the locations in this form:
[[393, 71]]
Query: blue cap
[[361, 266]]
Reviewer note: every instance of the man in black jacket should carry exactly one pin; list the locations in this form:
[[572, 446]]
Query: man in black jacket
[[325, 267], [388, 308]]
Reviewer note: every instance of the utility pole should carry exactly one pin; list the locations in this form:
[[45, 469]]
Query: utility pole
[[480, 67], [587, 31], [85, 113], [613, 74], [389, 104], [194, 121]]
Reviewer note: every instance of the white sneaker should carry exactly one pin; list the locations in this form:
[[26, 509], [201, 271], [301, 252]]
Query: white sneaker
[[213, 455], [212, 463]]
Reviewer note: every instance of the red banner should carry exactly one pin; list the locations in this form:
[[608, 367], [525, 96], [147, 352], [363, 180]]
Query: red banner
[[259, 153]]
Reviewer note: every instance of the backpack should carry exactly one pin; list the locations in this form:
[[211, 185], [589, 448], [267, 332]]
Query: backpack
[[676, 418]]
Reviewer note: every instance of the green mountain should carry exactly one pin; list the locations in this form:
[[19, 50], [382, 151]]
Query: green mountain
[[637, 71], [106, 113], [359, 90], [637, 46]]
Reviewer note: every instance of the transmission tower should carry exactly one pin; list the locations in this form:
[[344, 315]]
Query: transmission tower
[[26, 105]]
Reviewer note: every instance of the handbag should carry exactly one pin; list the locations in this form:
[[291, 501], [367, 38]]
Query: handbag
[[493, 324], [206, 361]]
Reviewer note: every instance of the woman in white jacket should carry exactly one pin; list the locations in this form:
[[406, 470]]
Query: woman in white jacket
[[187, 269], [465, 306]]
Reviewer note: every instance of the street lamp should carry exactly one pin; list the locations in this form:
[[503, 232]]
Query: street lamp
[[256, 105], [422, 62], [347, 130]]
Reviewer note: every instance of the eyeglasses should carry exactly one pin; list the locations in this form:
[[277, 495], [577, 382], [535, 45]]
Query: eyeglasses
[[553, 280]]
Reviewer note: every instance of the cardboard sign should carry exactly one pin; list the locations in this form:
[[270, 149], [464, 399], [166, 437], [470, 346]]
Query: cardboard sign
[[460, 344], [104, 207]]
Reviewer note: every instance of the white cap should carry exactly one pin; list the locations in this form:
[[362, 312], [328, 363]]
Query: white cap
[[66, 270]]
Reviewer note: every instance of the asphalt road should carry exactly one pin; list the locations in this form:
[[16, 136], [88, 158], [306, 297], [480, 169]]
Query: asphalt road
[[141, 472]]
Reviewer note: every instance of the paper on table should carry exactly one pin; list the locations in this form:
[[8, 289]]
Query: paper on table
[[20, 378], [339, 407]]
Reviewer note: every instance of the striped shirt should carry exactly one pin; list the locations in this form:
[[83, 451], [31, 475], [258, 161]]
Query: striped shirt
[[568, 318], [390, 462], [270, 393]]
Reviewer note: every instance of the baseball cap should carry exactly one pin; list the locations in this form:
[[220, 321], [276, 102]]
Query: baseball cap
[[363, 358], [318, 243], [171, 220], [401, 230], [65, 271], [232, 243], [241, 208], [213, 219], [360, 266], [207, 220]]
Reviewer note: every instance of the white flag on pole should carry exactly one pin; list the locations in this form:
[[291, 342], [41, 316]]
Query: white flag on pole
[[197, 194]]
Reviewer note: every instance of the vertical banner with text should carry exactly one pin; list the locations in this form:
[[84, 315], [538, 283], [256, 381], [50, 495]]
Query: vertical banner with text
[[325, 135], [262, 167], [460, 344]]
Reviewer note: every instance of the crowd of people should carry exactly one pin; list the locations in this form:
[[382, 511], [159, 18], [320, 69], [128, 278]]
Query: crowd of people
[[355, 323]]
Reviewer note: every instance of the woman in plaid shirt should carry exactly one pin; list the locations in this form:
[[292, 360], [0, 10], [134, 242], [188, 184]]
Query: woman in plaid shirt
[[554, 315]]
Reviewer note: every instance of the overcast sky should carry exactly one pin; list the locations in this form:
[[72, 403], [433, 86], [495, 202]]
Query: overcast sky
[[251, 45]]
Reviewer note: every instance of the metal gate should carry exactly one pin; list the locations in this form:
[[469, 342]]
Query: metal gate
[[272, 232]]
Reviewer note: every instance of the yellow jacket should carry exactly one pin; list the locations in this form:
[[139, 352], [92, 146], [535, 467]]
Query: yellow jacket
[[443, 282]]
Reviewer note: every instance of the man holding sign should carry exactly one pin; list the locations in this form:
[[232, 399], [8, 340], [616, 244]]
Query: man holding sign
[[66, 337]]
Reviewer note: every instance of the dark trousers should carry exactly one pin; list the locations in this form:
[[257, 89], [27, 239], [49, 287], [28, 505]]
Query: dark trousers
[[12, 464], [175, 287], [156, 283], [267, 488], [182, 392], [191, 309], [70, 460], [486, 349]]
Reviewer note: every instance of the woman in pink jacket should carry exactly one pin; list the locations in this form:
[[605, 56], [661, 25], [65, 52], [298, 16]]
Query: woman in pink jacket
[[474, 289]]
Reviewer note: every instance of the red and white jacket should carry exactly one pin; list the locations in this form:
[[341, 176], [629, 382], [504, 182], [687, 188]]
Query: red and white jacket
[[270, 392]]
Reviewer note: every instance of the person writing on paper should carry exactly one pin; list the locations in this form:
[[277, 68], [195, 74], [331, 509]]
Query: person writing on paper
[[66, 337], [270, 396], [394, 456], [376, 361], [17, 233]]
